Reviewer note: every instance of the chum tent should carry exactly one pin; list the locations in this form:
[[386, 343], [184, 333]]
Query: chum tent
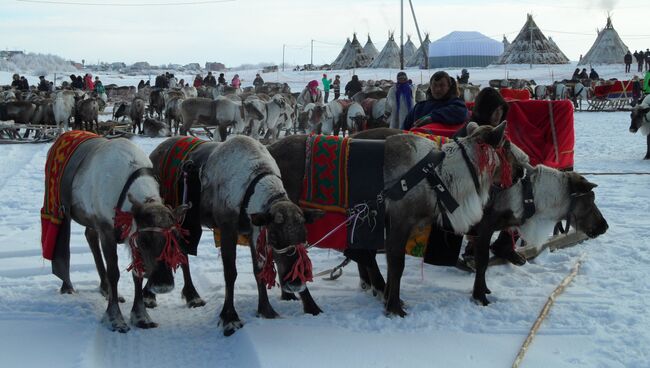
[[464, 49], [389, 55], [607, 49], [370, 49], [409, 49], [540, 51], [352, 56], [419, 57]]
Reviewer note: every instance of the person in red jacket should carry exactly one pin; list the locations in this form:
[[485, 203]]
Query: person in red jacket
[[89, 85], [198, 81]]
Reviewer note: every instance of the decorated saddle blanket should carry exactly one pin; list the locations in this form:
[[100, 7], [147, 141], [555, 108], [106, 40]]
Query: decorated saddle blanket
[[171, 170], [343, 177], [180, 183], [59, 171]]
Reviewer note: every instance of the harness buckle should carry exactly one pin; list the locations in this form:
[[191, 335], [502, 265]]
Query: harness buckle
[[405, 187], [440, 188], [528, 200], [380, 197]]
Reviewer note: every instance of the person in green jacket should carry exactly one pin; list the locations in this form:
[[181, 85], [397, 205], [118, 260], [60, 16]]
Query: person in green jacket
[[646, 83], [326, 86]]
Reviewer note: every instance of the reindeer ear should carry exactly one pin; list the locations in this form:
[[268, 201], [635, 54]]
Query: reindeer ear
[[261, 219], [497, 136], [312, 215], [580, 184], [471, 127], [179, 212]]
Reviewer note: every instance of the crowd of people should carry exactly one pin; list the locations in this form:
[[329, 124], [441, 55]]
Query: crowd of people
[[642, 59]]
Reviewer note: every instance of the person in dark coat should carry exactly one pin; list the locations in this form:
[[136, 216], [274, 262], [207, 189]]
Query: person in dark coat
[[15, 82], [43, 85], [441, 106], [593, 75], [639, 56], [353, 87], [464, 77], [576, 74], [647, 59], [78, 83], [336, 86], [627, 59], [258, 81], [221, 80], [583, 74], [636, 91], [24, 84]]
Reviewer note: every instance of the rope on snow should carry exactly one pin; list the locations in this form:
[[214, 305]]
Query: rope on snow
[[544, 312]]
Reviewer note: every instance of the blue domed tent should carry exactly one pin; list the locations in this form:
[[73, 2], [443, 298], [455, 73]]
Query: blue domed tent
[[464, 49]]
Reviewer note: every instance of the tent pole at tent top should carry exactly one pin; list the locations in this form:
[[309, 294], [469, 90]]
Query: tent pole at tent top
[[531, 45], [401, 36], [417, 28]]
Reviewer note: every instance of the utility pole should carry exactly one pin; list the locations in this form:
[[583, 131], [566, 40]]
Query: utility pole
[[530, 28], [283, 47], [311, 60], [401, 36]]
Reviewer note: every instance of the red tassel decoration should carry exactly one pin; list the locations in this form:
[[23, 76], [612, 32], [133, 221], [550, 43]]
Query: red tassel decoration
[[302, 268]]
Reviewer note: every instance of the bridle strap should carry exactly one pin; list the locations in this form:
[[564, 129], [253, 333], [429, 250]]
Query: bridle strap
[[468, 162], [134, 175]]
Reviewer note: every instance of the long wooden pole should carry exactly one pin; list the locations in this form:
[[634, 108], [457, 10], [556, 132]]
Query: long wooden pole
[[544, 312], [401, 36]]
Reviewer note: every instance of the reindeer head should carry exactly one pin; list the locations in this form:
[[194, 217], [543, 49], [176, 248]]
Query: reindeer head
[[285, 232], [157, 241], [640, 118], [583, 212]]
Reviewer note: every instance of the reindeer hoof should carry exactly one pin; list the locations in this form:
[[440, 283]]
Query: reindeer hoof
[[66, 288], [195, 303], [229, 328], [115, 324]]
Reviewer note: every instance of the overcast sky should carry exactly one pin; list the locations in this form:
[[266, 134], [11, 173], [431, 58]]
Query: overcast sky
[[252, 31]]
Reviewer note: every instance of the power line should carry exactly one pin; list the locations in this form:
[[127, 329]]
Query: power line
[[52, 2]]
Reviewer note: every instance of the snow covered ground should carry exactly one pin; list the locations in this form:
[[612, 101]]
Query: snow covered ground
[[600, 321]]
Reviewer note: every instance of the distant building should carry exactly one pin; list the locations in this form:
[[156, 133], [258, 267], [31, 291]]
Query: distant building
[[6, 54], [118, 65], [214, 67], [78, 66], [193, 66], [141, 65]]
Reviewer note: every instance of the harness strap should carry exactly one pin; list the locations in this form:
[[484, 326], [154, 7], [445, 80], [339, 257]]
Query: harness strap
[[422, 169], [527, 196], [148, 171], [471, 168], [251, 189]]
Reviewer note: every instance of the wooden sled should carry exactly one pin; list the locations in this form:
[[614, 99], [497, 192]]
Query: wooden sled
[[559, 241], [10, 133]]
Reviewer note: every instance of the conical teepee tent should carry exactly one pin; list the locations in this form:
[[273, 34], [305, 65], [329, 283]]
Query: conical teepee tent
[[342, 53], [464, 49], [353, 57], [608, 48], [409, 49], [370, 49], [540, 51], [419, 57], [389, 55]]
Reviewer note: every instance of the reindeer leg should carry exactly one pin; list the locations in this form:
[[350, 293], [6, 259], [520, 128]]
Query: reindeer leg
[[264, 307], [113, 318], [149, 296], [309, 306], [482, 257], [93, 241], [229, 318], [139, 316], [189, 293], [395, 254], [647, 155]]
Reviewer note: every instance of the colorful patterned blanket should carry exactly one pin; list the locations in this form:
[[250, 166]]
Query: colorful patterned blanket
[[325, 184], [52, 213], [171, 169]]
